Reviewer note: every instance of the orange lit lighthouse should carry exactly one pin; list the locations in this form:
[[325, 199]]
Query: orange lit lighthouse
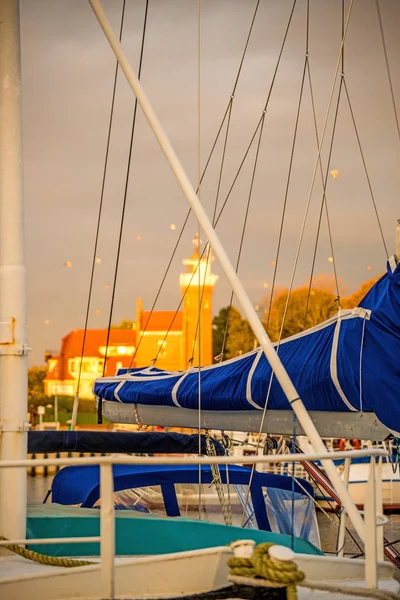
[[197, 286]]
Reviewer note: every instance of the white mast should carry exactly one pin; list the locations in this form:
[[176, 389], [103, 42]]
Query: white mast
[[13, 334], [248, 309]]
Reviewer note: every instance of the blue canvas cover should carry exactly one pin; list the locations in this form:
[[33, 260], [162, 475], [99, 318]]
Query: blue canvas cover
[[142, 442], [348, 363]]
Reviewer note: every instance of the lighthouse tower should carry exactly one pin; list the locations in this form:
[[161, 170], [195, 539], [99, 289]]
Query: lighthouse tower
[[197, 283]]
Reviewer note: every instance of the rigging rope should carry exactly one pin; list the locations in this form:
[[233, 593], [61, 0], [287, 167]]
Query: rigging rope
[[217, 481], [44, 559], [100, 404], [365, 169], [322, 180], [279, 243], [388, 67], [306, 211], [288, 182], [260, 128], [199, 235], [318, 158], [227, 113], [76, 399], [324, 204], [259, 124], [275, 573]]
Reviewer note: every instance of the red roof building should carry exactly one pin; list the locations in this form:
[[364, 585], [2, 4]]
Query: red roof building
[[168, 339]]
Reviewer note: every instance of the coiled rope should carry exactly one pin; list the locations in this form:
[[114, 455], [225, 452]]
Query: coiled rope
[[260, 565], [262, 571], [53, 561]]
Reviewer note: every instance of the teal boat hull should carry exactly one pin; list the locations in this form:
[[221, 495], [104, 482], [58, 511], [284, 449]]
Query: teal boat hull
[[140, 533]]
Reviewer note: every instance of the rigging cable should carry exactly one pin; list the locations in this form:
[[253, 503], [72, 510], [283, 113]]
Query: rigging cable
[[76, 399], [324, 202], [321, 210], [224, 153], [227, 111], [365, 169], [280, 237], [259, 128], [306, 213], [344, 83], [388, 67], [100, 404], [199, 233], [324, 186], [317, 162]]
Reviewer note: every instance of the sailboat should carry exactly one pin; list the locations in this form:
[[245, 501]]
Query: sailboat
[[171, 575]]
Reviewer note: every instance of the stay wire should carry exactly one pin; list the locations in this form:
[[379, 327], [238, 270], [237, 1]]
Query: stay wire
[[240, 165], [227, 111], [213, 221], [365, 169], [323, 203], [261, 126], [287, 189], [100, 404], [317, 163], [388, 67], [322, 181], [223, 162], [305, 215], [100, 211], [243, 233], [279, 242]]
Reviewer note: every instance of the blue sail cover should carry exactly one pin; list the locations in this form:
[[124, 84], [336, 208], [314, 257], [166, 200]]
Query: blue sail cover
[[348, 363], [118, 442]]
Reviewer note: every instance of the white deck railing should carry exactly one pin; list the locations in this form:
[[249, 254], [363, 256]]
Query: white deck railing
[[373, 513]]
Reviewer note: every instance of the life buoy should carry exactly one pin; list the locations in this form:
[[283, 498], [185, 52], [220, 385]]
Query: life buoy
[[355, 444]]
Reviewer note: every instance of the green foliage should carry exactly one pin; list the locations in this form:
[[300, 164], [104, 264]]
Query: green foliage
[[125, 324], [36, 376], [239, 337]]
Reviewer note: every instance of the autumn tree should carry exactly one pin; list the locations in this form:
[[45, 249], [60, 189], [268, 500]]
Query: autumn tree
[[304, 310], [354, 299], [239, 336]]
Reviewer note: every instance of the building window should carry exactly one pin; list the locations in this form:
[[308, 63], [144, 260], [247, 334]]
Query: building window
[[162, 352], [117, 350]]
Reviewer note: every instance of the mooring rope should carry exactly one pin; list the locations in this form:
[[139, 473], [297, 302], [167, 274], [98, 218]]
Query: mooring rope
[[276, 573], [262, 571], [44, 559]]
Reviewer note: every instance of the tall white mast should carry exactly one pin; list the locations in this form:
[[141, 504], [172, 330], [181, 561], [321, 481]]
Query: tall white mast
[[240, 293], [13, 333]]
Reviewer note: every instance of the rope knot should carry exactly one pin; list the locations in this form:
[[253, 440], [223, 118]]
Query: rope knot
[[278, 573]]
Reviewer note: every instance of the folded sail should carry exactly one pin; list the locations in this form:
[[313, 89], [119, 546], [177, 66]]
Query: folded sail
[[348, 363]]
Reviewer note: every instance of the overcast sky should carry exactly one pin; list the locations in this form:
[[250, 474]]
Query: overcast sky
[[67, 70]]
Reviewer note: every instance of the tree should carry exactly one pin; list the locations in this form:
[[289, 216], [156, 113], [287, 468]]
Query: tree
[[239, 337], [125, 324], [299, 315], [36, 377], [354, 299]]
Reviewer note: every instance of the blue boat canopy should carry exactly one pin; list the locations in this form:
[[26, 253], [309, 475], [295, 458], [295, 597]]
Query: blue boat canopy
[[270, 494], [348, 363]]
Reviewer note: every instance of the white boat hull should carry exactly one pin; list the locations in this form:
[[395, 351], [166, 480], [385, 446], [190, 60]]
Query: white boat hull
[[163, 576], [167, 576]]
